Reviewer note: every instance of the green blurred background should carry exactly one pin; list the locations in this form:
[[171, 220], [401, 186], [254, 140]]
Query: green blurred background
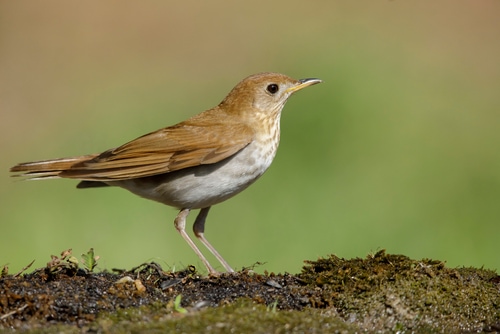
[[397, 149]]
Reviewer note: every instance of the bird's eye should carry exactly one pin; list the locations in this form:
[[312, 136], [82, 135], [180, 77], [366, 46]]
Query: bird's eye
[[272, 88]]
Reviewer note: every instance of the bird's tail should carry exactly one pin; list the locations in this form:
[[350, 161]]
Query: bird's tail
[[48, 169]]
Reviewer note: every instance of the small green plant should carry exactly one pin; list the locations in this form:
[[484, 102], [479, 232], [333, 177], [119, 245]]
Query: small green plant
[[177, 305], [66, 261], [90, 260], [272, 307]]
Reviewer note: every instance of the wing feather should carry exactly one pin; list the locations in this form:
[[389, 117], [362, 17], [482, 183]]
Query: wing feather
[[177, 147]]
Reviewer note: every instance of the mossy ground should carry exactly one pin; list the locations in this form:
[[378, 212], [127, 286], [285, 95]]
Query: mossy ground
[[382, 293]]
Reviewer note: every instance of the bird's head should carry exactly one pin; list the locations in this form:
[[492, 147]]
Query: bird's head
[[263, 94]]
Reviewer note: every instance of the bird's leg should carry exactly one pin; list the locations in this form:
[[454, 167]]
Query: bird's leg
[[180, 225], [199, 229]]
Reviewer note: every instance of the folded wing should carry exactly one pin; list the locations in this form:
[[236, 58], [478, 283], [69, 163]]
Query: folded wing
[[180, 146]]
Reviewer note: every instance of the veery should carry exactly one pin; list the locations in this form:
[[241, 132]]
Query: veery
[[196, 163]]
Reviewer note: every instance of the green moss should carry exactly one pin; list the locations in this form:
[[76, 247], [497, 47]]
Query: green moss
[[243, 316], [393, 292]]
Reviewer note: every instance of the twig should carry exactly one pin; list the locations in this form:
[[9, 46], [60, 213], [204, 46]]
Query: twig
[[24, 269], [13, 312]]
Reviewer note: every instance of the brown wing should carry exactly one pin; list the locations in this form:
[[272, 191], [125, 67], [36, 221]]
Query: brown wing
[[183, 145]]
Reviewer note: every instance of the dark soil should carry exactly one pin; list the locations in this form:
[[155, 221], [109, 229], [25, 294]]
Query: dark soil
[[382, 292]]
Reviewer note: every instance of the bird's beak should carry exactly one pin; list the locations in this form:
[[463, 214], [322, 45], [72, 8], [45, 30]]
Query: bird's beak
[[303, 83]]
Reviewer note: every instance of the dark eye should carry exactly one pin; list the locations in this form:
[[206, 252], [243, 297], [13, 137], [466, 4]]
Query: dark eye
[[272, 88]]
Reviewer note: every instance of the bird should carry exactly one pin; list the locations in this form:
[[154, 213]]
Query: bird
[[194, 164]]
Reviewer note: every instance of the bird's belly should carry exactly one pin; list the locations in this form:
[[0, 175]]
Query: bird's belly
[[204, 185]]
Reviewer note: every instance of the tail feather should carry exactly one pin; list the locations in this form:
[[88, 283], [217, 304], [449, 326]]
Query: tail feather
[[48, 169]]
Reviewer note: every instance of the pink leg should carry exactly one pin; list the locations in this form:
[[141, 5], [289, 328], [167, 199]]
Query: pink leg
[[180, 225], [199, 229]]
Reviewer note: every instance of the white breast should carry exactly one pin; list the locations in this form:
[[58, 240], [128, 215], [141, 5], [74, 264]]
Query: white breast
[[205, 185]]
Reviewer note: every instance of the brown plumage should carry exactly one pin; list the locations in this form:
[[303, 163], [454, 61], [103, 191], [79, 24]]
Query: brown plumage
[[196, 163]]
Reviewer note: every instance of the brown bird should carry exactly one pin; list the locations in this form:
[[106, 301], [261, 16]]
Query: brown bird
[[196, 163]]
